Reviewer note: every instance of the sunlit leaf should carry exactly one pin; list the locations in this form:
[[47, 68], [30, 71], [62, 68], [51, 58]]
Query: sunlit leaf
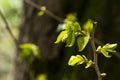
[[71, 40], [42, 77], [76, 60], [103, 74], [88, 26], [106, 49], [41, 13], [28, 49], [82, 41], [105, 53], [61, 36], [89, 64], [71, 17]]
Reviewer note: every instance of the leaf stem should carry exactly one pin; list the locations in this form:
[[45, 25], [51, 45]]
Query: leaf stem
[[94, 51]]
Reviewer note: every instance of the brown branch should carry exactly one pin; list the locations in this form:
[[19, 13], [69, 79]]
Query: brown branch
[[94, 51], [8, 28], [49, 13]]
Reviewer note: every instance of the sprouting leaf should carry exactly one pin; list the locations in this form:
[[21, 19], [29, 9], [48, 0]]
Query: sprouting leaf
[[105, 53], [106, 49], [89, 64], [61, 36], [71, 17], [42, 77], [76, 60], [88, 26], [76, 26], [28, 49], [82, 41], [41, 13], [71, 40], [99, 49], [110, 47], [103, 74]]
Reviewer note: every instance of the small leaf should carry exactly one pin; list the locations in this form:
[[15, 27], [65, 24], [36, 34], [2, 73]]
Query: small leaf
[[61, 36], [110, 47], [70, 40], [103, 74], [71, 17], [41, 13], [89, 64], [99, 49], [86, 60], [82, 41], [27, 49], [76, 60], [88, 26], [105, 53], [107, 48]]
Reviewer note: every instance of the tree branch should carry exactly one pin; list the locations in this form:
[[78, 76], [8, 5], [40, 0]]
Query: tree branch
[[8, 28], [94, 51], [49, 13]]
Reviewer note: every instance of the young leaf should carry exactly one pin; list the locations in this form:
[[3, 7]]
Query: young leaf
[[82, 41], [107, 48], [41, 13], [110, 47], [105, 53], [27, 49], [76, 60], [71, 40], [88, 26], [61, 36], [89, 64]]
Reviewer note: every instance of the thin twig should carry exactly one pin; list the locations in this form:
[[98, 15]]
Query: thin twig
[[95, 54], [46, 10], [8, 28]]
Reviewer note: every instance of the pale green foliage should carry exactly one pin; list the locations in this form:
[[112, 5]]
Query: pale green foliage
[[88, 26], [68, 35], [28, 49], [41, 13], [106, 49], [82, 41], [73, 32], [103, 74], [78, 59], [71, 17], [42, 77], [89, 64]]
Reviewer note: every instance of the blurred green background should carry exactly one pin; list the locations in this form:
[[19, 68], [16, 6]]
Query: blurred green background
[[11, 10]]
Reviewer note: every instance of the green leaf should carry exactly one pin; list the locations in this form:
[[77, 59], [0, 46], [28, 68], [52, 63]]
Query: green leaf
[[61, 37], [28, 49], [110, 47], [88, 26], [82, 41], [71, 17], [70, 40], [41, 13], [105, 53], [103, 74], [76, 60], [99, 49], [89, 64], [106, 49], [76, 26]]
